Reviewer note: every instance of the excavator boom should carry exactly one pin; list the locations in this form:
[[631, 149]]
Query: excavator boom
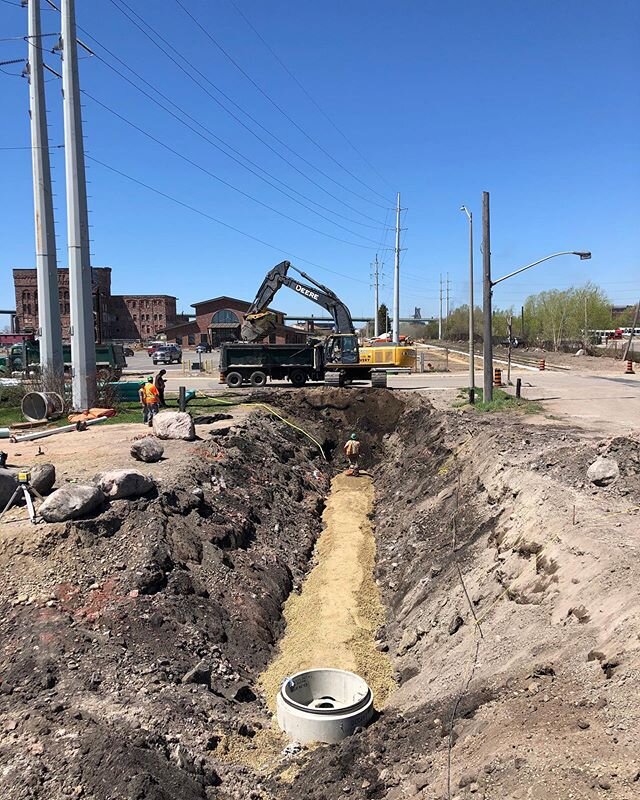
[[259, 322]]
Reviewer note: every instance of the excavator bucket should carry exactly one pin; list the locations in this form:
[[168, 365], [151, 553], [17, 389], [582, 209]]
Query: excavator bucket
[[257, 327]]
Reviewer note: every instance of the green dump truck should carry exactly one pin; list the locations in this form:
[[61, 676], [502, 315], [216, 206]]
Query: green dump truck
[[110, 359]]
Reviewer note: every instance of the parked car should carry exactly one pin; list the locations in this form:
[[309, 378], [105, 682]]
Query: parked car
[[203, 347], [154, 346], [167, 355]]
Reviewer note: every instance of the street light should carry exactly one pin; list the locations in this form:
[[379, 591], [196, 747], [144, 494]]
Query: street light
[[584, 255], [472, 373]]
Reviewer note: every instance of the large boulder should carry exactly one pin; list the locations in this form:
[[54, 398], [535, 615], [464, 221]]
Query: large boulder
[[148, 449], [43, 477], [119, 483], [70, 502], [8, 483], [603, 471], [174, 425]]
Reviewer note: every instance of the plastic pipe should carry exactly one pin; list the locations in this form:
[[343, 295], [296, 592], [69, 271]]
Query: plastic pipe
[[29, 437]]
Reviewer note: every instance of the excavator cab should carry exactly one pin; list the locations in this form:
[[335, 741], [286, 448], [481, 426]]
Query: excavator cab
[[341, 349]]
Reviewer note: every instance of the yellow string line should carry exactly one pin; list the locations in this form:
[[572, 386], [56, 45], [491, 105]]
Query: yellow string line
[[275, 414]]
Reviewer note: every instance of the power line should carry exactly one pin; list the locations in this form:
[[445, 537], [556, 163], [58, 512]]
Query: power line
[[227, 145], [306, 92], [193, 69], [218, 221], [276, 105], [221, 180]]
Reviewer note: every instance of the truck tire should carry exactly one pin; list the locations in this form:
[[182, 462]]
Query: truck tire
[[234, 380], [379, 380], [298, 377], [334, 379], [257, 379]]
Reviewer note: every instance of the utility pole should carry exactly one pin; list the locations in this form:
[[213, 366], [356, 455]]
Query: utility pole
[[446, 323], [440, 311], [487, 348], [472, 366], [396, 278], [633, 330], [376, 291], [50, 329], [83, 353]]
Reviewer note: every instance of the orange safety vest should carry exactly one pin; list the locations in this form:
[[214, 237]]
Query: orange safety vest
[[150, 394], [352, 447]]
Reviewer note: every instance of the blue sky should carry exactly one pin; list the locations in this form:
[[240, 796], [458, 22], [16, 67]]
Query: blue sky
[[535, 101]]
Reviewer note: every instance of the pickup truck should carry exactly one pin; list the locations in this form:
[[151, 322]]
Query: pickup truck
[[110, 359]]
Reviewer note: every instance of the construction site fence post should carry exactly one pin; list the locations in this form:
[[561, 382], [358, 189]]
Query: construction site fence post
[[518, 387], [446, 359], [182, 402]]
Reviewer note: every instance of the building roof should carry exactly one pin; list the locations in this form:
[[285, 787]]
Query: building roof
[[231, 301]]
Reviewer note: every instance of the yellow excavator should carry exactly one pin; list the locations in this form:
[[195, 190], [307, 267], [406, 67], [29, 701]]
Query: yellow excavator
[[343, 358]]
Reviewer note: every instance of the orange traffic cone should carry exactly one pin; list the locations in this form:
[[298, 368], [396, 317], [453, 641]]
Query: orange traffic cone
[[629, 370]]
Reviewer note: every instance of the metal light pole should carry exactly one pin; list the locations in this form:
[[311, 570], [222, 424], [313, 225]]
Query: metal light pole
[[472, 374], [83, 354], [376, 285], [487, 344], [50, 330], [396, 278]]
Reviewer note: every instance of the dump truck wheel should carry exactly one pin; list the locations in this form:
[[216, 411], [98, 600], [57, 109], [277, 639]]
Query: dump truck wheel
[[257, 378], [297, 377], [234, 380]]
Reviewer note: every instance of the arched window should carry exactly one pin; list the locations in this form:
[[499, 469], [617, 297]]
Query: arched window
[[225, 316]]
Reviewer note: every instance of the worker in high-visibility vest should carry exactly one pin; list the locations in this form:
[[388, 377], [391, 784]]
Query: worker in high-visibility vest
[[352, 452], [149, 400]]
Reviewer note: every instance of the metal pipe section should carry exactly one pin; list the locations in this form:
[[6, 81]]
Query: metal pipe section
[[29, 437]]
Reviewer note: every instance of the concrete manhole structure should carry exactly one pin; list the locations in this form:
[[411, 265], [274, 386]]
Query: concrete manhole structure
[[323, 705]]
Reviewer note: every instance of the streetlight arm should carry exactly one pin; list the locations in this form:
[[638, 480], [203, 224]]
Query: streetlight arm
[[583, 256]]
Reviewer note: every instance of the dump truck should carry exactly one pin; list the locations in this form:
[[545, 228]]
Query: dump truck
[[336, 360]]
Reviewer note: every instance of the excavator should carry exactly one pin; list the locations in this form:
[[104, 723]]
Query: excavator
[[340, 359]]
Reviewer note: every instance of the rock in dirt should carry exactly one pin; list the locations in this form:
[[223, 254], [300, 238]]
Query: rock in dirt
[[71, 502], [201, 673], [43, 477], [174, 425], [149, 449], [8, 483], [456, 623], [603, 471], [208, 419], [119, 483]]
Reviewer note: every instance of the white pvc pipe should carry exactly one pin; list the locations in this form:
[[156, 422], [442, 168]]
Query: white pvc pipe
[[29, 437]]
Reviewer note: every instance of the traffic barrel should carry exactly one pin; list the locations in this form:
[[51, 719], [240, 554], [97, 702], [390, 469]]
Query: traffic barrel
[[497, 377], [541, 365], [629, 370]]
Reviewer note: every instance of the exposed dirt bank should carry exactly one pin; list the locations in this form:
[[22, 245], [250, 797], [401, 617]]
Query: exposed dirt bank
[[132, 643]]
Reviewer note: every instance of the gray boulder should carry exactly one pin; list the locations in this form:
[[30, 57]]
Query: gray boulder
[[70, 502], [43, 477], [174, 425], [119, 483], [149, 449], [603, 471], [8, 483]]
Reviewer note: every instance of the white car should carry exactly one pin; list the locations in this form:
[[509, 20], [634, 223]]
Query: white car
[[167, 355]]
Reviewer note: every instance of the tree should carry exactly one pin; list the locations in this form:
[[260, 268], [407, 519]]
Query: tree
[[557, 315], [384, 320]]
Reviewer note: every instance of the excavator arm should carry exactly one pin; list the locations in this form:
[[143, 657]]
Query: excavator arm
[[259, 322]]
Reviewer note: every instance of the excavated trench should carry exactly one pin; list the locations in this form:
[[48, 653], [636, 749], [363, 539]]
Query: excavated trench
[[145, 667]]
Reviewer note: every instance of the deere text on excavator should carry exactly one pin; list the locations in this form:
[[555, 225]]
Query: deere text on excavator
[[336, 359]]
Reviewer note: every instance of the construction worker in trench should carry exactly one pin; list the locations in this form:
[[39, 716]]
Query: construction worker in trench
[[149, 400], [352, 452]]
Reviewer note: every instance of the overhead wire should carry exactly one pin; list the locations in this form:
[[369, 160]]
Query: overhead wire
[[276, 105], [219, 179], [219, 139], [193, 69], [306, 92], [210, 217]]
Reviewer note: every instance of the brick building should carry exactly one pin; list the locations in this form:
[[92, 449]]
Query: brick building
[[219, 320], [128, 317]]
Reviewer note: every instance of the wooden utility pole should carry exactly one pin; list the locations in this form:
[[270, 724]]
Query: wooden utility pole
[[633, 329]]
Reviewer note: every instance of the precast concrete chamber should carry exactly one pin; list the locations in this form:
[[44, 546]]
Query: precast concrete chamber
[[323, 705]]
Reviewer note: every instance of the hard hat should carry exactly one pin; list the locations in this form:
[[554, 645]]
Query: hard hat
[[354, 435], [150, 379]]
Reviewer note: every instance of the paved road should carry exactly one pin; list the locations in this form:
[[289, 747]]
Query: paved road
[[603, 402]]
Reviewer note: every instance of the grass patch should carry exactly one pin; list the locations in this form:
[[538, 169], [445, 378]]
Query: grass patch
[[502, 401]]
